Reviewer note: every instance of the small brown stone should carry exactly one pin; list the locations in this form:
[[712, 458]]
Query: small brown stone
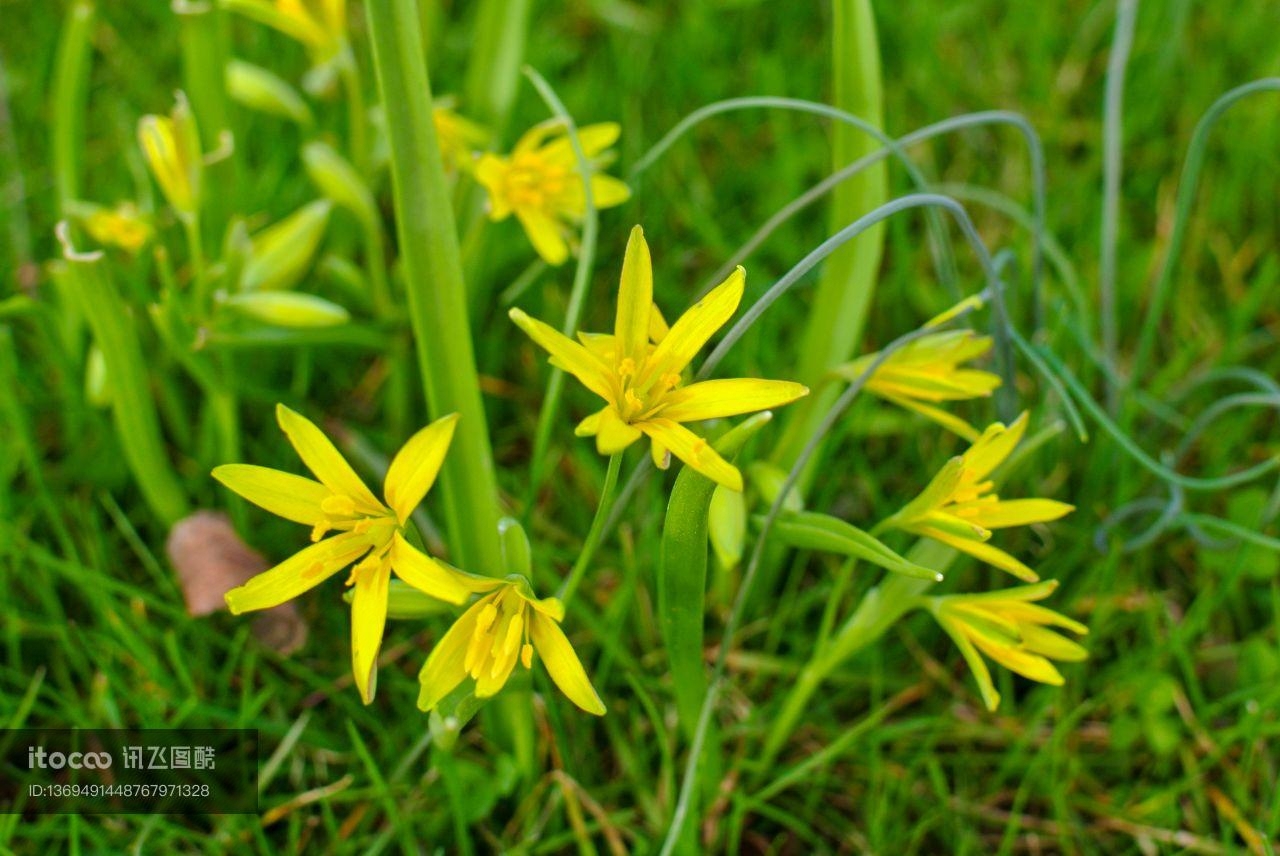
[[210, 560]]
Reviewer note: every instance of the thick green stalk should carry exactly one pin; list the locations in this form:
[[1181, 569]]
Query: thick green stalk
[[497, 51], [204, 79], [69, 95], [848, 280], [132, 404], [433, 281]]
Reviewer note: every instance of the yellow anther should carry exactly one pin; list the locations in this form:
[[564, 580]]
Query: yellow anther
[[526, 655], [698, 445], [627, 368], [515, 631], [487, 616], [319, 530], [338, 505], [670, 380], [634, 402]]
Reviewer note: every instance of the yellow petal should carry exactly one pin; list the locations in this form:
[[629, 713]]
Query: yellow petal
[[544, 234], [635, 298], [323, 459], [607, 191], [589, 426], [491, 174], [658, 328], [949, 421], [569, 355], [1014, 512], [300, 572], [977, 665], [424, 573], [694, 451], [563, 664], [1028, 665], [716, 398], [594, 139], [414, 469], [1046, 643], [994, 446], [992, 555], [292, 497], [612, 434], [1029, 613], [444, 668], [687, 336], [368, 620]]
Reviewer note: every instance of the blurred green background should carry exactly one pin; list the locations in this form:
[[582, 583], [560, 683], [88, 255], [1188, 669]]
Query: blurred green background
[[1161, 743]]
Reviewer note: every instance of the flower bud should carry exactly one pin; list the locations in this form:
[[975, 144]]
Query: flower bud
[[258, 89], [339, 181], [288, 309], [283, 252]]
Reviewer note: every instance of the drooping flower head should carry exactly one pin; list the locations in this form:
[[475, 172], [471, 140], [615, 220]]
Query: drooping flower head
[[960, 506], [1011, 629], [171, 145], [638, 371], [122, 226], [457, 136], [927, 371], [370, 532], [540, 183], [502, 628]]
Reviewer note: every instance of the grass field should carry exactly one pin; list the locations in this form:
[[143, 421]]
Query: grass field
[[1162, 741]]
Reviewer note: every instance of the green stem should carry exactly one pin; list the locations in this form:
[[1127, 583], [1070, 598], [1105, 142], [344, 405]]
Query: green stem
[[577, 295], [433, 281], [200, 304], [357, 120], [843, 295], [204, 75], [879, 610], [69, 96], [608, 494], [132, 405], [493, 69]]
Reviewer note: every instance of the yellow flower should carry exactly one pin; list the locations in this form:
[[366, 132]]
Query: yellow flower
[[928, 370], [960, 508], [122, 226], [505, 626], [540, 183], [458, 137], [370, 532], [637, 371], [320, 25], [1010, 629], [171, 145]]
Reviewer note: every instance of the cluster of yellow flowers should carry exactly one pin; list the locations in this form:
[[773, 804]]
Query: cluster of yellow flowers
[[641, 372]]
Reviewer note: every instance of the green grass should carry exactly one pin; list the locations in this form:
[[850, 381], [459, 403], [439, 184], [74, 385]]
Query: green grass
[[1161, 742]]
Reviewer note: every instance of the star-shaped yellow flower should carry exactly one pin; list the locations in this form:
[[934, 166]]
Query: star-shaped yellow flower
[[640, 378], [960, 508], [505, 626], [370, 532], [927, 371], [540, 183], [1010, 629]]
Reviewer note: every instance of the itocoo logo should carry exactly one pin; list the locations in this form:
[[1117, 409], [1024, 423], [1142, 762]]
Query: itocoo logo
[[38, 757]]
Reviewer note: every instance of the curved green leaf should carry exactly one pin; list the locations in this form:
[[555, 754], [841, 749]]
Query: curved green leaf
[[809, 530]]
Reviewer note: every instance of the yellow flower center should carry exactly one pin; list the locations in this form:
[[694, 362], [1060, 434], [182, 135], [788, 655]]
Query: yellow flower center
[[501, 637], [533, 183]]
